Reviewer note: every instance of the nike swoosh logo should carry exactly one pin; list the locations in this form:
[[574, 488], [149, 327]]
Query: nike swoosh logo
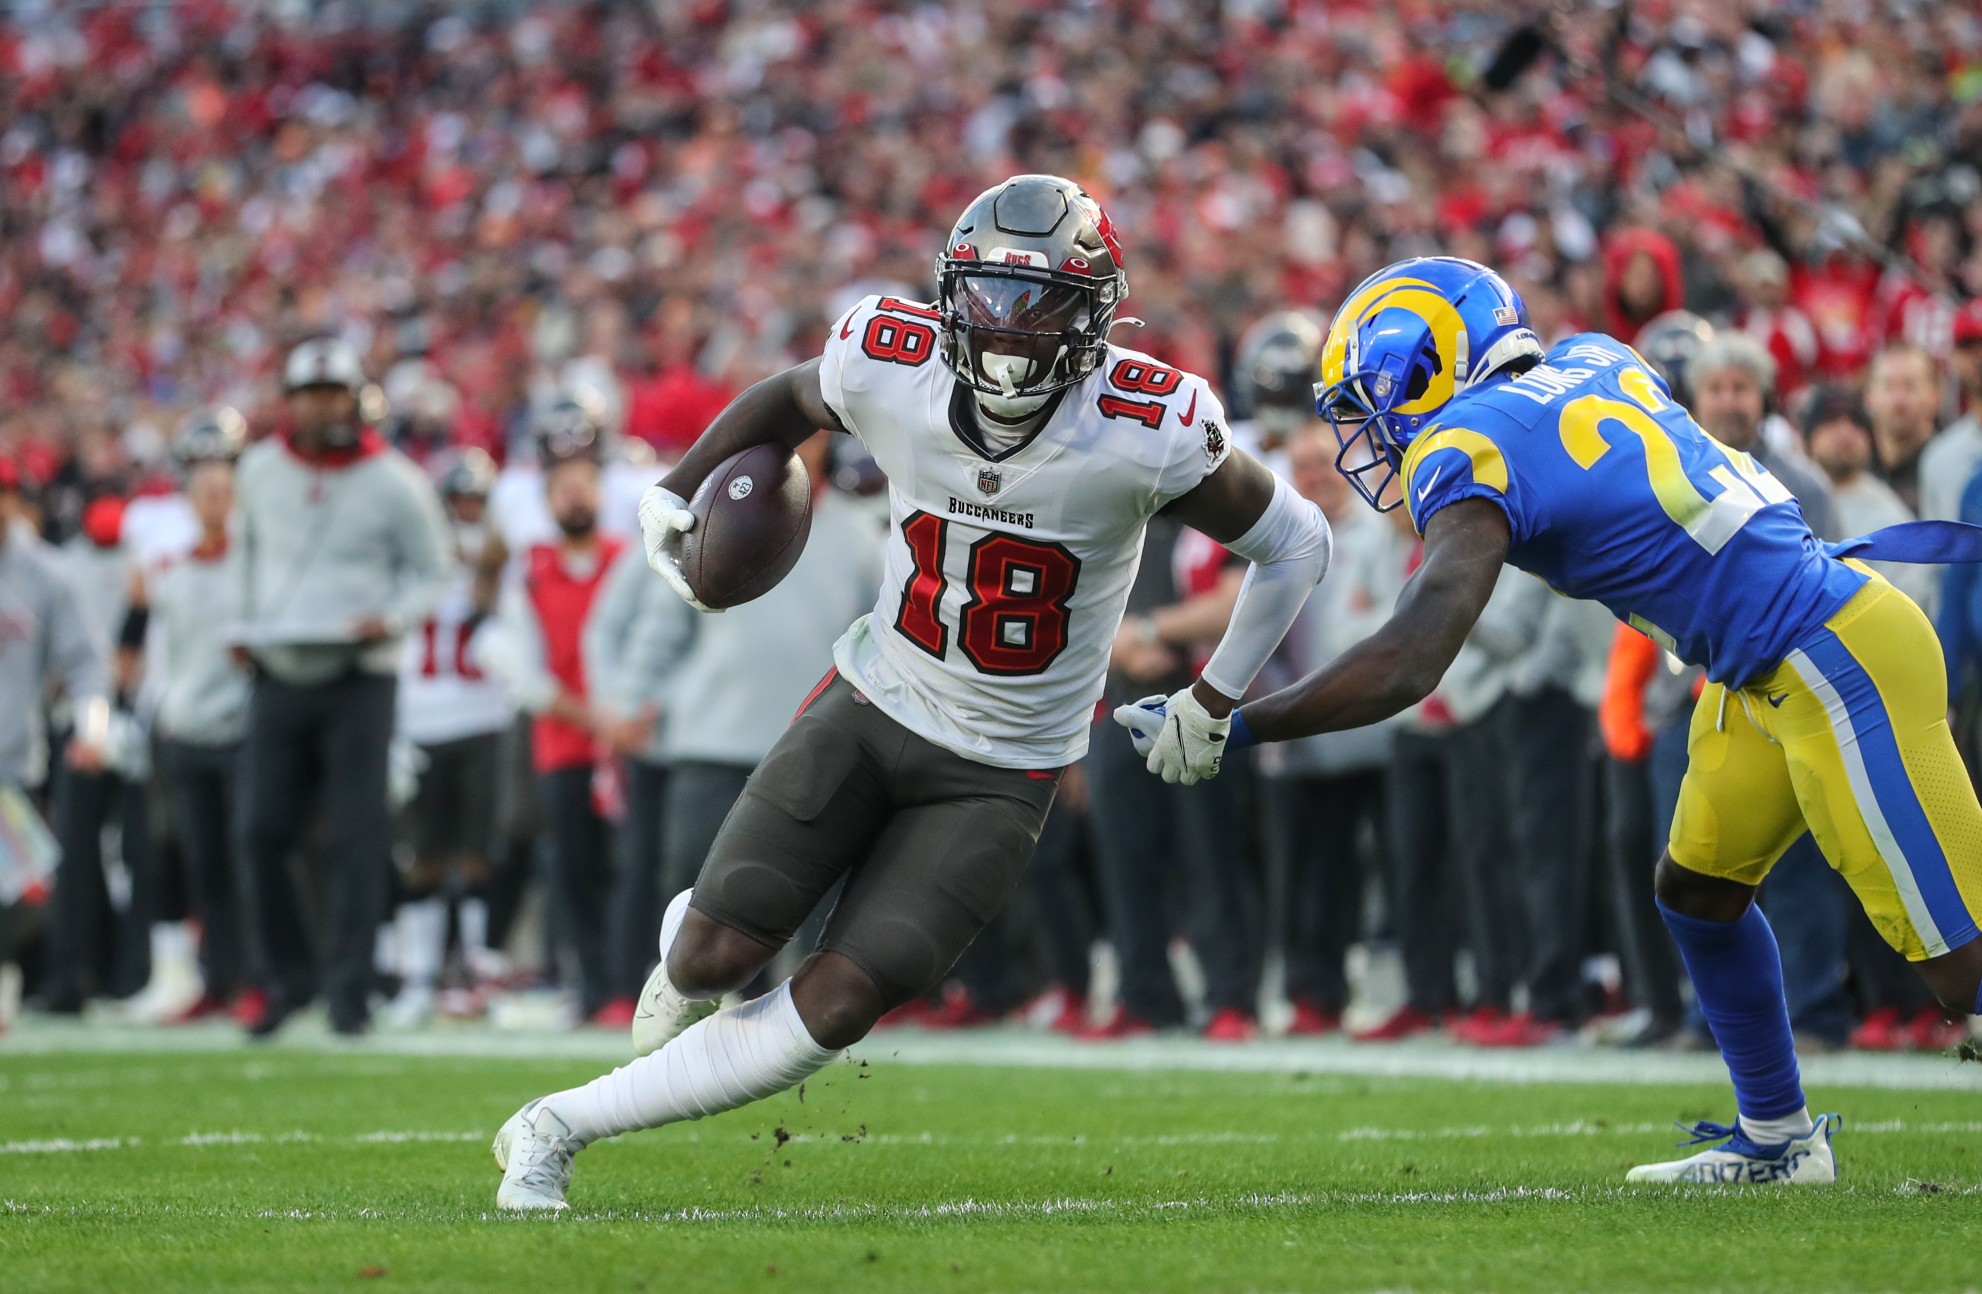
[[1777, 701], [1430, 481], [846, 328], [1190, 409]]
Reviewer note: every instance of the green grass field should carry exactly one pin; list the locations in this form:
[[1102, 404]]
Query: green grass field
[[294, 1168]]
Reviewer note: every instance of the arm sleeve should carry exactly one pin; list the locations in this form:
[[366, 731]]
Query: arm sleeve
[[423, 571], [511, 647], [662, 634], [1289, 547], [131, 633]]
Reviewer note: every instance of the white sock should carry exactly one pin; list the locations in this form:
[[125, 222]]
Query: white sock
[[671, 919], [732, 1058], [422, 931], [173, 946], [473, 914], [1773, 1132]]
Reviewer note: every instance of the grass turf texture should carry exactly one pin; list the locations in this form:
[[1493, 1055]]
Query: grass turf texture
[[245, 1170]]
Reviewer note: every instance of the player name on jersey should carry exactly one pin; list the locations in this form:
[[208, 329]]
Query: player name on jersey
[[1547, 382], [995, 621]]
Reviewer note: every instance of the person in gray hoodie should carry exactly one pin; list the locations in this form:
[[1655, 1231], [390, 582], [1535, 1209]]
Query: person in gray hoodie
[[343, 548], [201, 709], [43, 640], [106, 883]]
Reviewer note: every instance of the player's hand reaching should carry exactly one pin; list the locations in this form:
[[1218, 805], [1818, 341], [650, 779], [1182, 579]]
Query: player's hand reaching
[[1181, 740], [664, 518]]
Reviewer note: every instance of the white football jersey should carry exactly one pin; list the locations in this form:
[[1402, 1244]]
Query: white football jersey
[[443, 693], [1006, 574]]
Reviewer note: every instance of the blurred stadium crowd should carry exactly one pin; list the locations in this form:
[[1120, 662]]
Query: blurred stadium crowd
[[561, 236]]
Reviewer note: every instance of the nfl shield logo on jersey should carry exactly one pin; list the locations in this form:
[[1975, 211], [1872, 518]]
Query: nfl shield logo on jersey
[[988, 480]]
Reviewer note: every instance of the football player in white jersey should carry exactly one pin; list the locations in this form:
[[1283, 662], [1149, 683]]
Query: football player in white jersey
[[456, 716], [1024, 455]]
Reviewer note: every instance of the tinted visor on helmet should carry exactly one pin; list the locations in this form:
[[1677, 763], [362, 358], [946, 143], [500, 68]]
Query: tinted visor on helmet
[[1030, 319]]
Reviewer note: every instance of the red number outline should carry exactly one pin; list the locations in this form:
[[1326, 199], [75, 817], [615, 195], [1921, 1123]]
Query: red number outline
[[922, 593], [993, 560], [1144, 378], [898, 341], [463, 668], [1147, 412]]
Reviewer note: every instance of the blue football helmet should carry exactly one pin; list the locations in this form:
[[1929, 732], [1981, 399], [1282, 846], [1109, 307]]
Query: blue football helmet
[[1410, 338]]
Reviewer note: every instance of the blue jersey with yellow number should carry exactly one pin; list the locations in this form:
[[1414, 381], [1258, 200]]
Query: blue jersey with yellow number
[[1614, 494]]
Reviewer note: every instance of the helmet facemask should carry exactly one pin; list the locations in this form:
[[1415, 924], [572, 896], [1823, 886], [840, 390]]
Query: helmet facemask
[[1361, 409], [1016, 337]]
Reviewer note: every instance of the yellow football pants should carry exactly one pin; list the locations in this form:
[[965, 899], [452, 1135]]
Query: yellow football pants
[[1849, 738]]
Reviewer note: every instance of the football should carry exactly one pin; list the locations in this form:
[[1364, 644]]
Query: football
[[752, 515]]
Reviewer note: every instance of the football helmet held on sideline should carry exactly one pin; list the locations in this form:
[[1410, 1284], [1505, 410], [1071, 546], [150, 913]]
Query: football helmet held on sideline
[[1277, 361], [1669, 342], [468, 474], [1410, 338], [1027, 287], [574, 427], [216, 435]]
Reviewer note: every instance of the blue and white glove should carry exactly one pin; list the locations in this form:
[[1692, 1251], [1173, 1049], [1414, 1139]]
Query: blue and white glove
[[1178, 737], [664, 518]]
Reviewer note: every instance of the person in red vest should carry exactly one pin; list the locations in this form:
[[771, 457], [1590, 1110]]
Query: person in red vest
[[536, 653]]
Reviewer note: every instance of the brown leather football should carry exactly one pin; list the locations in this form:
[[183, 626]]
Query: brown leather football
[[752, 515]]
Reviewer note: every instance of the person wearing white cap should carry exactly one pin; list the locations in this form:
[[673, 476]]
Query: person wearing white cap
[[343, 549]]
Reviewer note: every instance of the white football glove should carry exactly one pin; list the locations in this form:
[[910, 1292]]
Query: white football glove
[[1177, 736], [664, 518]]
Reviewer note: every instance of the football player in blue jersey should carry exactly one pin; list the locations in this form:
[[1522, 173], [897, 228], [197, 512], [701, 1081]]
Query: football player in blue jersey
[[1826, 705]]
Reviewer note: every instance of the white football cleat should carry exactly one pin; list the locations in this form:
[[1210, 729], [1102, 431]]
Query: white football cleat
[[1737, 1161], [534, 1151], [411, 1008], [662, 1012], [175, 985]]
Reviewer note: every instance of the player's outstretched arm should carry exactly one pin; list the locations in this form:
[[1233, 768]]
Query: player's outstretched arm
[[1259, 517], [1286, 539], [785, 408], [1398, 666]]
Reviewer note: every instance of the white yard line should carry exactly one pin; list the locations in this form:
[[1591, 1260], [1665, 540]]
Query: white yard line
[[970, 1209], [1030, 1049], [202, 1140], [205, 1140]]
